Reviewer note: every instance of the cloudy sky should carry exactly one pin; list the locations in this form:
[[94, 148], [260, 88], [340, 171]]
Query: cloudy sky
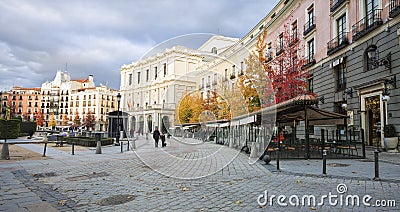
[[37, 38]]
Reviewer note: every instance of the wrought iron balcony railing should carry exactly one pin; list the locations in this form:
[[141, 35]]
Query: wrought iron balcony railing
[[336, 4], [367, 24], [394, 8], [338, 43], [309, 26]]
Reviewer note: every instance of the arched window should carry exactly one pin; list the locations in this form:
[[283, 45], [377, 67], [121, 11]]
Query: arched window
[[214, 50]]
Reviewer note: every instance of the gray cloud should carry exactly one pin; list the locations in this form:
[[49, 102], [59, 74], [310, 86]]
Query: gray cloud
[[97, 37]]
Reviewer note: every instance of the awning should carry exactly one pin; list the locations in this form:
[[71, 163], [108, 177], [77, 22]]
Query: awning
[[315, 116]]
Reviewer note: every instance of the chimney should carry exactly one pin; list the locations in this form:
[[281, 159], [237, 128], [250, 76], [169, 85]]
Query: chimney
[[91, 78]]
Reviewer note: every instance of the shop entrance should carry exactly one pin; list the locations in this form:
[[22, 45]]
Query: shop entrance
[[373, 120]]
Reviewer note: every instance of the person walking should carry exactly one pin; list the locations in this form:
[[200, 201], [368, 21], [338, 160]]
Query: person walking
[[156, 136], [162, 136]]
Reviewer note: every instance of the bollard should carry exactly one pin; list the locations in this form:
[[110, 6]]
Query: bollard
[[278, 153], [376, 156], [44, 151], [5, 153], [127, 147], [134, 143], [98, 144], [324, 162], [122, 146], [73, 148]]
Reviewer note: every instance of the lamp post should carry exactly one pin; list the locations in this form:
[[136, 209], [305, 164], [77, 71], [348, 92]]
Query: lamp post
[[5, 153], [118, 124]]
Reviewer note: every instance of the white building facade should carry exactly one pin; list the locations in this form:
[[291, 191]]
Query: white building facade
[[65, 97]]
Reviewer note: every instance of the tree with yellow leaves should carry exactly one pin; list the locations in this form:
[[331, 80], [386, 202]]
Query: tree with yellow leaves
[[52, 121], [77, 120], [65, 120]]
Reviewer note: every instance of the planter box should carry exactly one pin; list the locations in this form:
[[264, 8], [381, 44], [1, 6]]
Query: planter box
[[391, 143]]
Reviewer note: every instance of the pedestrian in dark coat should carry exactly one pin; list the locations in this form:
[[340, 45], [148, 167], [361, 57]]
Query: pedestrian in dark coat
[[163, 143], [156, 136]]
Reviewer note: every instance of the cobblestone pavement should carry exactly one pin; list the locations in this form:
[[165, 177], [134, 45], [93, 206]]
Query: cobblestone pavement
[[188, 177]]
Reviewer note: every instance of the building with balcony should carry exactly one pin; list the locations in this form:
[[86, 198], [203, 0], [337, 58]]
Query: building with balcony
[[352, 61], [99, 101], [23, 102]]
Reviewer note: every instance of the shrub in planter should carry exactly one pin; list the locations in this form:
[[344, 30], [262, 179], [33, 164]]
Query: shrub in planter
[[86, 141], [390, 141], [13, 127], [26, 127]]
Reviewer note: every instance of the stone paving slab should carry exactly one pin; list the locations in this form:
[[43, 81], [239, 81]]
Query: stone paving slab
[[236, 187]]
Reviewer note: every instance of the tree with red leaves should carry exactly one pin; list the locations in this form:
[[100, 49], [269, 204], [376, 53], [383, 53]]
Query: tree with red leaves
[[90, 120], [288, 77], [39, 118]]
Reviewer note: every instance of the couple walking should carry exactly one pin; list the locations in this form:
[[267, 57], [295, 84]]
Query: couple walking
[[157, 136]]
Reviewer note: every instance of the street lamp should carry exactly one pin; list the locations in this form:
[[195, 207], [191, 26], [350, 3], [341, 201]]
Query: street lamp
[[385, 91], [349, 92], [385, 61], [118, 124]]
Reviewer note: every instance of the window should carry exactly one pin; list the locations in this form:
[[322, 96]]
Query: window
[[226, 74], [269, 51], [281, 41], [341, 28], [294, 32], [310, 85], [215, 79], [165, 69], [214, 50], [130, 79], [208, 81], [155, 72], [310, 50], [310, 12], [138, 79], [202, 83], [147, 75], [340, 76]]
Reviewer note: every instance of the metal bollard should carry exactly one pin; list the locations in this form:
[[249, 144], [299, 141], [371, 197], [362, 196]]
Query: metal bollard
[[278, 156], [324, 162], [73, 148], [376, 157], [122, 146], [127, 147], [5, 152], [44, 151]]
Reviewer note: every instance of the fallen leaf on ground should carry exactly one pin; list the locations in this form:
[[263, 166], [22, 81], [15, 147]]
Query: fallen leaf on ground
[[139, 191], [313, 208], [299, 181], [238, 202], [156, 189], [96, 193], [185, 189], [62, 202], [230, 183]]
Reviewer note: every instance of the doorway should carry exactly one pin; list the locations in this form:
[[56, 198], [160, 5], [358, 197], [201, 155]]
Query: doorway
[[373, 120]]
